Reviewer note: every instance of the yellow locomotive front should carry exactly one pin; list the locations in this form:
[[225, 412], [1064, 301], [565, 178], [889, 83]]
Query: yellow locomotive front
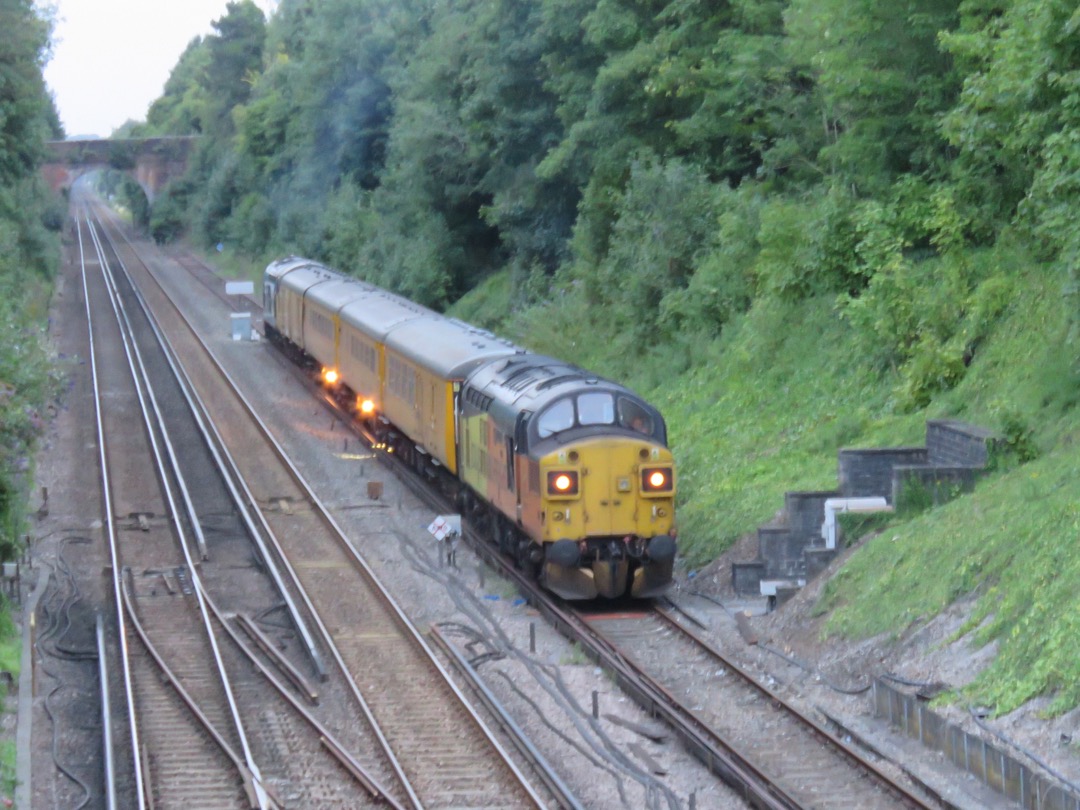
[[607, 517], [580, 471], [605, 506]]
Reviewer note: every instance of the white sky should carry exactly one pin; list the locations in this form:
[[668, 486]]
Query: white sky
[[111, 57]]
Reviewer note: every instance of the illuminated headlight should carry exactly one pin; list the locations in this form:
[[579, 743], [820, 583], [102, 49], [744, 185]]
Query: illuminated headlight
[[657, 479], [330, 376], [365, 406], [562, 482]]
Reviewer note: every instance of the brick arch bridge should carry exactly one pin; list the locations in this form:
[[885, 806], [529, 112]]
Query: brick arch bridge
[[152, 162]]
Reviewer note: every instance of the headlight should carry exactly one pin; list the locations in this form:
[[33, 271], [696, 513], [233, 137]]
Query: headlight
[[330, 376], [657, 479], [365, 406], [562, 482]]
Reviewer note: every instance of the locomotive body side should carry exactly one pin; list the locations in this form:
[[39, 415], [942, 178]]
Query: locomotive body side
[[489, 461]]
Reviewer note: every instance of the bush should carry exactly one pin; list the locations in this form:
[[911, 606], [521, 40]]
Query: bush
[[854, 526], [1017, 442], [808, 246], [923, 314], [665, 223]]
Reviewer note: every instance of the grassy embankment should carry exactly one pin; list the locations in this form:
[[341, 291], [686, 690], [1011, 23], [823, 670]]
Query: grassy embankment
[[764, 409], [10, 656]]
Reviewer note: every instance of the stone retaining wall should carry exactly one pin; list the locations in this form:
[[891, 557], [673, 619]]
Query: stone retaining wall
[[955, 455], [986, 762]]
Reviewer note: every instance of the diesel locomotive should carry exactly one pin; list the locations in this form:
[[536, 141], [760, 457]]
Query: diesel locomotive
[[570, 473]]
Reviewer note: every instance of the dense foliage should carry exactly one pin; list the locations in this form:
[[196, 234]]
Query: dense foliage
[[669, 159], [795, 223], [28, 250]]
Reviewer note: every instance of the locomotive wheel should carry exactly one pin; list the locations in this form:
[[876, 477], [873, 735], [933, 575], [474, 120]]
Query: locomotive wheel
[[524, 558], [507, 539]]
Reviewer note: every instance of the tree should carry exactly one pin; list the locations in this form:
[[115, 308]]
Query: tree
[[234, 60], [882, 80], [28, 252], [182, 106], [27, 116]]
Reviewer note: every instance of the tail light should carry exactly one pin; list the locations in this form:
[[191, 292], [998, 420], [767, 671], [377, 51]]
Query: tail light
[[657, 479], [562, 483]]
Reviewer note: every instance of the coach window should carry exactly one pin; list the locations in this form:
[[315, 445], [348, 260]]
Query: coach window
[[596, 409], [559, 416]]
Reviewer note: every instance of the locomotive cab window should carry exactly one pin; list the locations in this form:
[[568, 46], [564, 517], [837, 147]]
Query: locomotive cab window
[[596, 409], [635, 417], [559, 416]]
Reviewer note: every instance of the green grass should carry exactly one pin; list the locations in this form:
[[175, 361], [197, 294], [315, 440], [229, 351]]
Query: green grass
[[574, 656], [783, 394], [1011, 543], [10, 661], [10, 642], [8, 753], [765, 407]]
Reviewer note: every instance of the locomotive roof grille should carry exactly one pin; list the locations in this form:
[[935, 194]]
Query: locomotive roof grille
[[559, 379], [481, 401], [520, 380]]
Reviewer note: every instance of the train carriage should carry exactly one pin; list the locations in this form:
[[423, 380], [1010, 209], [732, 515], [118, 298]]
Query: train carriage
[[323, 303], [427, 359], [285, 284], [571, 472], [364, 326]]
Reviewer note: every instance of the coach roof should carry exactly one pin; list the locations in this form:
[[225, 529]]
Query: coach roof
[[447, 347]]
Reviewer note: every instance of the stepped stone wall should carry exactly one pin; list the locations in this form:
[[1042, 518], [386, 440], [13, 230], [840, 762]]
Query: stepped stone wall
[[792, 549], [868, 472], [958, 444]]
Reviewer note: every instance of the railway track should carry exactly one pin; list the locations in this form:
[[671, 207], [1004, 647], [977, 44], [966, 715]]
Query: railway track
[[166, 741], [791, 762], [213, 282], [433, 744], [804, 764], [766, 774], [289, 757]]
